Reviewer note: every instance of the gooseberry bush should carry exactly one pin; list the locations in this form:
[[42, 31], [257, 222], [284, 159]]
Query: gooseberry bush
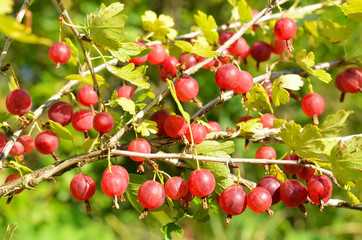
[[123, 109]]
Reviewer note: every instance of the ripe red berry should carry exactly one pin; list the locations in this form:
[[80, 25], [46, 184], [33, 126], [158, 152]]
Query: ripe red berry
[[3, 141], [82, 120], [245, 119], [17, 149], [279, 46], [293, 193], [272, 184], [201, 182], [224, 36], [103, 122], [232, 201], [151, 195], [226, 56], [126, 92], [292, 169], [157, 55], [261, 52], [159, 117], [313, 104], [176, 188], [186, 88], [306, 173], [267, 120], [239, 48], [87, 96], [319, 189], [265, 152], [285, 29], [191, 60], [18, 102], [168, 67], [46, 142], [207, 66], [12, 177], [351, 80], [259, 200], [175, 126], [255, 13], [114, 183], [227, 76], [117, 168], [245, 82], [215, 127], [82, 188], [140, 60], [59, 53], [188, 198], [198, 133], [141, 146], [61, 112]]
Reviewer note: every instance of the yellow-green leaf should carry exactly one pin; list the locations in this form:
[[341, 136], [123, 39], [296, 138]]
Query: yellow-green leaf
[[60, 131], [127, 105], [257, 99], [335, 32], [161, 27], [353, 10], [335, 122], [207, 24], [130, 74], [146, 128], [6, 6]]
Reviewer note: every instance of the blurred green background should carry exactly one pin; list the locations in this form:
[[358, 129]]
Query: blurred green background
[[52, 213]]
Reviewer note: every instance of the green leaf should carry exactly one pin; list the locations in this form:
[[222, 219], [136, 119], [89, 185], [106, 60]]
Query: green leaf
[[335, 32], [185, 115], [90, 144], [147, 127], [130, 50], [6, 6], [215, 148], [197, 48], [13, 83], [107, 29], [73, 48], [60, 131], [207, 24], [290, 81], [4, 116], [335, 122], [279, 94], [161, 27], [275, 171], [185, 46], [135, 181], [244, 10], [303, 142], [169, 228], [17, 165], [353, 10], [257, 99], [89, 80], [249, 126], [128, 73], [127, 105], [10, 231], [9, 26], [307, 61]]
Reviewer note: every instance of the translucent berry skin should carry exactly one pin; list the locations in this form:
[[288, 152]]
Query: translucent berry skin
[[293, 193], [260, 51], [272, 184], [191, 61], [313, 104], [46, 142], [141, 146], [352, 80], [227, 76], [198, 133], [201, 182], [338, 82], [232, 201], [285, 29], [114, 183], [292, 169], [186, 88], [141, 60], [168, 66], [224, 36], [319, 188], [59, 53], [125, 91], [188, 197], [239, 48], [17, 149], [61, 112], [28, 143], [12, 177], [267, 120], [245, 119], [175, 126], [176, 188], [103, 122], [159, 117], [121, 170], [306, 173], [244, 83], [3, 141], [157, 55], [225, 59], [82, 187], [18, 102], [279, 46], [215, 127], [265, 152], [151, 195], [259, 200], [87, 96], [82, 120]]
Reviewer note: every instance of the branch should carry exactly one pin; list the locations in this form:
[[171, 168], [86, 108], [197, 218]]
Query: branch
[[9, 40]]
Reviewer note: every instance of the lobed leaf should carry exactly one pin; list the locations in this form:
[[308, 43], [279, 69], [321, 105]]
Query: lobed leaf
[[161, 27], [335, 32], [335, 122], [169, 228], [353, 10], [207, 24], [128, 73], [147, 127], [60, 131], [307, 61], [257, 99]]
